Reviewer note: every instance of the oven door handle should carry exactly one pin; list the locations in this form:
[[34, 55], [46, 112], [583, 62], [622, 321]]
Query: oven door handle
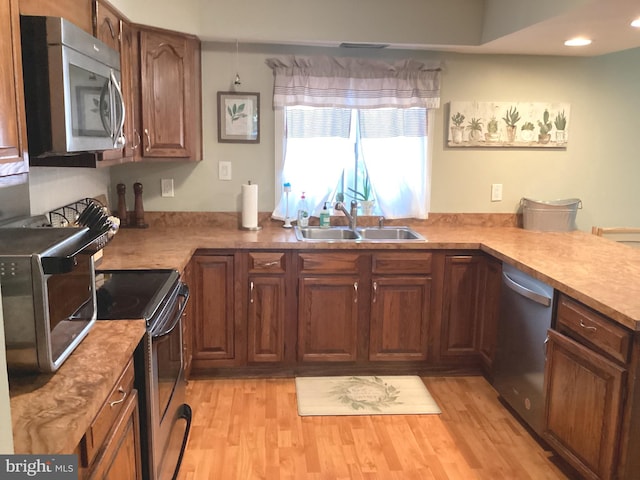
[[183, 292]]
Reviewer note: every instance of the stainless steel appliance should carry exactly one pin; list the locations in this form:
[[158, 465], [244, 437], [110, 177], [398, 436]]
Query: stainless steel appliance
[[159, 297], [525, 317], [48, 282], [48, 294], [72, 89]]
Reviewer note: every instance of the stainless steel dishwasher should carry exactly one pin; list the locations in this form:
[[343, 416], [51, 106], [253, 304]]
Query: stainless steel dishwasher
[[525, 316]]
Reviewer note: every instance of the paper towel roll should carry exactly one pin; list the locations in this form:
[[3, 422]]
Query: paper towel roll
[[250, 206]]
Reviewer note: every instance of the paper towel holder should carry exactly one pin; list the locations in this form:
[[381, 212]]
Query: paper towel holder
[[253, 229]]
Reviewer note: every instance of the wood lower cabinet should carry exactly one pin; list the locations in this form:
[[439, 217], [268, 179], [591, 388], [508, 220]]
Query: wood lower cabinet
[[400, 306], [583, 406], [489, 312], [170, 85], [188, 319], [266, 306], [111, 448], [591, 409], [13, 130], [461, 306], [217, 337], [329, 300], [328, 318]]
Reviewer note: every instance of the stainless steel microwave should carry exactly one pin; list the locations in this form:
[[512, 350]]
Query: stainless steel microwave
[[72, 88]]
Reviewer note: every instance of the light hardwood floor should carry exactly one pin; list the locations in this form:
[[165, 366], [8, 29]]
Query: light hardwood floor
[[250, 429]]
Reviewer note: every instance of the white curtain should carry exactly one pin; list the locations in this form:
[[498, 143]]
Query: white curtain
[[345, 82], [317, 148], [394, 150]]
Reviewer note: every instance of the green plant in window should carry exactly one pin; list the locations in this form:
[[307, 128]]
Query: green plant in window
[[365, 194]]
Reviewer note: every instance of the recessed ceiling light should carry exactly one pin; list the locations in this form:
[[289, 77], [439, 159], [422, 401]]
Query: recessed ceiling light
[[577, 42], [636, 23]]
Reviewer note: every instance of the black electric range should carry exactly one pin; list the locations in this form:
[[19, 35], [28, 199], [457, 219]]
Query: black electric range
[[160, 298], [132, 294]]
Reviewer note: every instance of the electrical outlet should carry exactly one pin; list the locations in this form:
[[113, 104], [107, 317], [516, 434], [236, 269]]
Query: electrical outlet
[[166, 187], [224, 170], [496, 192]]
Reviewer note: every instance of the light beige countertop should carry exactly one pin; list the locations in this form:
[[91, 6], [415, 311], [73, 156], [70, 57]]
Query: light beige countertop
[[51, 412], [598, 272]]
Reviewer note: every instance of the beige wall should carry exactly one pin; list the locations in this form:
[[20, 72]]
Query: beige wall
[[599, 165]]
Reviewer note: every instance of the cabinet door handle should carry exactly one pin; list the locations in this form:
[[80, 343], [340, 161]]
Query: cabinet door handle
[[375, 292], [355, 291], [250, 292], [136, 143], [588, 327], [148, 147], [116, 402]]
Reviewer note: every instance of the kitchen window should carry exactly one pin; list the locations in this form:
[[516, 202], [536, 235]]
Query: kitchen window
[[343, 124], [332, 153]]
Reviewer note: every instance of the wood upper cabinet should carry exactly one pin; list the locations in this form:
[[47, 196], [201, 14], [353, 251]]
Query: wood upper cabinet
[[329, 297], [217, 338], [170, 84], [13, 127], [461, 306], [400, 306], [266, 306], [583, 407], [78, 12], [112, 28]]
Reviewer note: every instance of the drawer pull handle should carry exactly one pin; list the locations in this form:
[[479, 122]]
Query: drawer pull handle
[[270, 264], [250, 292], [116, 402], [375, 291], [355, 291], [588, 327]]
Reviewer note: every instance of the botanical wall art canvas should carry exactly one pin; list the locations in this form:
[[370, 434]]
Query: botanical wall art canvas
[[508, 124]]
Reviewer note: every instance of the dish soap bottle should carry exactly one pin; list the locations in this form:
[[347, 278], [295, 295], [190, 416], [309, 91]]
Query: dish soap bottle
[[325, 218], [303, 212]]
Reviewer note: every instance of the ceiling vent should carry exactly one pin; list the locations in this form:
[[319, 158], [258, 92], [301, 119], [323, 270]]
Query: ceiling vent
[[364, 45]]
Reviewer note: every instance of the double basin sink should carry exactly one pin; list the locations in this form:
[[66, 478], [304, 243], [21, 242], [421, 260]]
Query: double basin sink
[[363, 234]]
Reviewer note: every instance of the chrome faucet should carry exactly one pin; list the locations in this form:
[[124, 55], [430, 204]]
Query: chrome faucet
[[351, 216]]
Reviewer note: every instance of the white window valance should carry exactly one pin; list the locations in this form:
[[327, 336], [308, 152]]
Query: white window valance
[[344, 82]]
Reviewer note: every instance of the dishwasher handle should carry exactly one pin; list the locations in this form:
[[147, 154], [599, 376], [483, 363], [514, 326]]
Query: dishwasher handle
[[525, 292]]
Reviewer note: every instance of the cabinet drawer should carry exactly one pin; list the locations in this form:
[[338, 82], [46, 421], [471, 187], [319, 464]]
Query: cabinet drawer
[[396, 262], [582, 323], [329, 262], [267, 262], [108, 413]]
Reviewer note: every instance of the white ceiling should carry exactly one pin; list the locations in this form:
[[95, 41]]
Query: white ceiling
[[605, 22]]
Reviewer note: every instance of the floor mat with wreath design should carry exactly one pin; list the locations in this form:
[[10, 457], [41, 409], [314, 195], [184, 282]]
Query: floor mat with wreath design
[[364, 395]]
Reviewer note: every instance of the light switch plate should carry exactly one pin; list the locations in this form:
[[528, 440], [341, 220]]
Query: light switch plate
[[496, 192], [224, 170], [166, 187]]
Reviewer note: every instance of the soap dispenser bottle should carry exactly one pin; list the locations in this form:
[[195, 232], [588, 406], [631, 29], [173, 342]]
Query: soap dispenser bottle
[[303, 212], [325, 217]]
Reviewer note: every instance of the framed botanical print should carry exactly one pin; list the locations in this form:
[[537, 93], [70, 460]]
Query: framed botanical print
[[238, 117]]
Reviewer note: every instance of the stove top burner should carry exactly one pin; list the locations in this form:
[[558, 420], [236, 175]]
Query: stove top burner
[[132, 294]]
